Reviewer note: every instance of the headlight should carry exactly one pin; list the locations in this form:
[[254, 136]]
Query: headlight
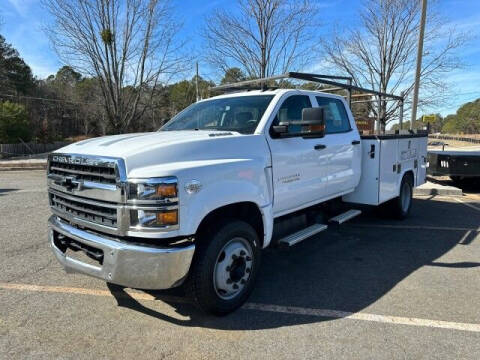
[[153, 190], [154, 218], [154, 202]]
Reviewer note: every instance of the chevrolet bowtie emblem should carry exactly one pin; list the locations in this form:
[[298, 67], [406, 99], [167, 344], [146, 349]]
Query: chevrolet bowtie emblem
[[70, 183]]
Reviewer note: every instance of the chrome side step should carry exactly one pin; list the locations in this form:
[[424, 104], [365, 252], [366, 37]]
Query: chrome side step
[[302, 234], [340, 219]]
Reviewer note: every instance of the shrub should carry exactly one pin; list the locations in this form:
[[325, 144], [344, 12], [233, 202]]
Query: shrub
[[14, 123]]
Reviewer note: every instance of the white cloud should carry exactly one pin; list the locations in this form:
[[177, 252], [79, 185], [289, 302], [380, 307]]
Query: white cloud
[[21, 6]]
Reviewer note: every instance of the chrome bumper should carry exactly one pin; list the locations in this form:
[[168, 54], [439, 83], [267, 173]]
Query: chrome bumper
[[123, 263]]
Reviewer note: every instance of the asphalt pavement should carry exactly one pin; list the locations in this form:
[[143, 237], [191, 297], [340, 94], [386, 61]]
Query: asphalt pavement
[[374, 288]]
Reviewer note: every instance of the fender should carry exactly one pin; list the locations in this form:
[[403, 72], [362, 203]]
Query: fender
[[222, 182], [247, 182]]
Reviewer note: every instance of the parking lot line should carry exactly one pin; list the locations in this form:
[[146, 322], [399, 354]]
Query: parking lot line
[[466, 204], [464, 238], [294, 310]]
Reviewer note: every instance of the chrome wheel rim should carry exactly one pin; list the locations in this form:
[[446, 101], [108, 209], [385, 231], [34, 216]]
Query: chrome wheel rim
[[406, 197], [233, 268]]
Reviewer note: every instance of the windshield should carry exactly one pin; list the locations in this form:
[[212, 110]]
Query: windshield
[[241, 114]]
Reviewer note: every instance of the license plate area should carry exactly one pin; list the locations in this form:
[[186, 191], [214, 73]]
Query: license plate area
[[78, 250]]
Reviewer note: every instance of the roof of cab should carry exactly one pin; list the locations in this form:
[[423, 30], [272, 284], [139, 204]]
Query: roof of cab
[[272, 92]]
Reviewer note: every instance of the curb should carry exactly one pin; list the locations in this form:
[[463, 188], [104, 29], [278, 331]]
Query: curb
[[13, 165], [20, 168], [435, 189]]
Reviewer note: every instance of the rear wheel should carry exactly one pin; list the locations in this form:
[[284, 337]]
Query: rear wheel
[[400, 206], [224, 268]]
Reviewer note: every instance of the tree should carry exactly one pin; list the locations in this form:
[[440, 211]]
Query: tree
[[182, 93], [129, 46], [15, 75], [66, 75], [380, 53], [450, 126], [14, 124], [86, 95], [233, 75], [466, 120], [262, 38]]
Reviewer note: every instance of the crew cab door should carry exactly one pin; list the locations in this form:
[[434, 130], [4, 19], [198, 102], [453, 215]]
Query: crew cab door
[[299, 167], [342, 146]]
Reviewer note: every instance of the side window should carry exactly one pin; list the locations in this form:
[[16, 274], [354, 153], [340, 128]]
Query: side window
[[291, 110], [336, 118]]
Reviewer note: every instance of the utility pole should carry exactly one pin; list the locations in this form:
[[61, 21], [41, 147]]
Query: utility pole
[[419, 62], [196, 83]]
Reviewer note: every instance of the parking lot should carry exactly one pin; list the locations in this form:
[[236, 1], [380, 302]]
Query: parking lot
[[374, 288]]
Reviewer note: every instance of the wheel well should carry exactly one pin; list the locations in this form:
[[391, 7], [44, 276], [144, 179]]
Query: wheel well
[[246, 211], [409, 174]]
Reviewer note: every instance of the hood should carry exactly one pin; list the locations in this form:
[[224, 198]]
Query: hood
[[130, 144], [166, 147]]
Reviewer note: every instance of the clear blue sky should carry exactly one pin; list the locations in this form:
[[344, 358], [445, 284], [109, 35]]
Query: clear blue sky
[[23, 21]]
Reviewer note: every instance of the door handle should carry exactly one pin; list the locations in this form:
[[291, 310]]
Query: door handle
[[355, 142], [319, 147]]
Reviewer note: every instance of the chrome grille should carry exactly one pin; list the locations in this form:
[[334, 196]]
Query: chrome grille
[[94, 171], [77, 208]]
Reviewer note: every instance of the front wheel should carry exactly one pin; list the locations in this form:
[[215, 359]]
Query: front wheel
[[224, 268]]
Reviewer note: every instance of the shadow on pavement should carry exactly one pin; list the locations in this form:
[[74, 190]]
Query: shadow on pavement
[[463, 264], [4, 191], [468, 185], [345, 269]]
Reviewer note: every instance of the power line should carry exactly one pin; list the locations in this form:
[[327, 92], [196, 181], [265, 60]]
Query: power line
[[48, 99]]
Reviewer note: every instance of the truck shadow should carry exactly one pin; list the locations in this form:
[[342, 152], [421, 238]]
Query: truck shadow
[[344, 269]]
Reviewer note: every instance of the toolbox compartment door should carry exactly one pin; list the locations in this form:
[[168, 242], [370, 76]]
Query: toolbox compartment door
[[389, 170], [379, 178], [368, 188]]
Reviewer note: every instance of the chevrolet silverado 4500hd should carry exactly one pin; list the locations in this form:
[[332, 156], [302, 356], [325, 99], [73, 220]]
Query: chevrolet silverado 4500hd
[[197, 201]]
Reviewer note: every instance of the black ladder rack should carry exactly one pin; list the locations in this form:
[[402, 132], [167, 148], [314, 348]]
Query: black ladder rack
[[263, 84]]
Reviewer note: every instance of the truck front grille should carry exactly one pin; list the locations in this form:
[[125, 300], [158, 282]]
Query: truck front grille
[[84, 209], [101, 173]]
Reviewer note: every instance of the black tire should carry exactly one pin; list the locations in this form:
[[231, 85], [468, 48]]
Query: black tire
[[401, 205], [201, 285], [458, 180]]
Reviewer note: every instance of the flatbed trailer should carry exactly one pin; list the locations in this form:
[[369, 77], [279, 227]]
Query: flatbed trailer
[[457, 164]]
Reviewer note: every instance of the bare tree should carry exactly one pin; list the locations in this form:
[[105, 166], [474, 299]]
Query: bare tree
[[262, 38], [130, 46], [380, 53]]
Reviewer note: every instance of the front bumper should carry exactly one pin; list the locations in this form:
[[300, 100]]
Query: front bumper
[[125, 264]]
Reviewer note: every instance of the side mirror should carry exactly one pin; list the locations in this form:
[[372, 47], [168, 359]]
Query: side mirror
[[313, 122], [312, 125]]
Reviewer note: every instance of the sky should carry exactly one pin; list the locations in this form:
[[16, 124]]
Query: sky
[[23, 20]]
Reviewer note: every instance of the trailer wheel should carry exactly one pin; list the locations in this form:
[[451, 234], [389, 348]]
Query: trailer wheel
[[400, 206], [224, 268], [457, 180]]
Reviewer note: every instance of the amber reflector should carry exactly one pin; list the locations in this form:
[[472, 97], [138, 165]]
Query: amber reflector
[[167, 190], [167, 217], [315, 128]]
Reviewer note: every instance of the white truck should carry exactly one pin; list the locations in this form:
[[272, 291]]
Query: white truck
[[196, 202]]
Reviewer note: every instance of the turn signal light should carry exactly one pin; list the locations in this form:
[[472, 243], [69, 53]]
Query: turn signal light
[[165, 190], [167, 217]]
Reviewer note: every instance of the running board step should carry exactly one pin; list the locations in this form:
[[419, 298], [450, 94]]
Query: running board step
[[340, 219], [302, 234]]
